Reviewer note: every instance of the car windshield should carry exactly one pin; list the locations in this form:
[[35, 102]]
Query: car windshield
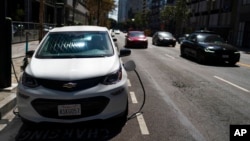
[[166, 34], [136, 34], [75, 45], [210, 38]]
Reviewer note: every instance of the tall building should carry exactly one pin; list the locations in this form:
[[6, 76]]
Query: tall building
[[28, 11], [156, 7], [229, 18], [122, 11], [241, 32], [133, 7]]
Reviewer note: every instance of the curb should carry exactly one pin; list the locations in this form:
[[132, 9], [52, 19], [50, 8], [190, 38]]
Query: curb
[[7, 104]]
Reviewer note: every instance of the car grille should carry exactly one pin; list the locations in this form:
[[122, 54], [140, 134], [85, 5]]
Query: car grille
[[89, 107], [69, 86], [228, 52]]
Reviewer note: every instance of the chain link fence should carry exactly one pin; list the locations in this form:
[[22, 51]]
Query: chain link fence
[[22, 31]]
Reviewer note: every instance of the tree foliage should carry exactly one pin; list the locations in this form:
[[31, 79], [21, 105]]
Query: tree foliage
[[100, 9], [177, 13]]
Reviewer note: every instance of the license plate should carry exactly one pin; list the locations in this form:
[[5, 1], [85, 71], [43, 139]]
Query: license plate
[[225, 56], [69, 110]]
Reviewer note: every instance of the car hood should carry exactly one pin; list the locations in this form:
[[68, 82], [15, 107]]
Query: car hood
[[220, 46], [72, 68]]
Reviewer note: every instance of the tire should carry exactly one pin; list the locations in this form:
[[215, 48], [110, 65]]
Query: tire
[[182, 52], [232, 63], [173, 45]]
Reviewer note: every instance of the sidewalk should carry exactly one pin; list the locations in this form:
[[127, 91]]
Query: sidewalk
[[8, 95]]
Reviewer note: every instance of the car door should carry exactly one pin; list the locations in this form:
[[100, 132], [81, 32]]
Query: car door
[[191, 45]]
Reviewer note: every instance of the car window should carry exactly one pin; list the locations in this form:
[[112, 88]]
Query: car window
[[165, 34], [75, 44], [213, 39], [192, 37], [136, 34]]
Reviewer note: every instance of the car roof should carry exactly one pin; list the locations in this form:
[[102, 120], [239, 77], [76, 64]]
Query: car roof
[[205, 31], [79, 28]]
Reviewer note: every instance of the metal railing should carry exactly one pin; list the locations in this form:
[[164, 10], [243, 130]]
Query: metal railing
[[23, 31]]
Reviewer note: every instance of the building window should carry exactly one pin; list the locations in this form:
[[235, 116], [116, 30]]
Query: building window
[[246, 2], [240, 33]]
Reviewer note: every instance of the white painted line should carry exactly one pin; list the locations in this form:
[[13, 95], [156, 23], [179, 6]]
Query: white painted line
[[243, 89], [129, 84], [6, 120], [133, 97], [169, 56], [142, 124]]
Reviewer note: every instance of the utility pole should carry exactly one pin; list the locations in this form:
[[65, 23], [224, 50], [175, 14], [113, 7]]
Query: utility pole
[[41, 20]]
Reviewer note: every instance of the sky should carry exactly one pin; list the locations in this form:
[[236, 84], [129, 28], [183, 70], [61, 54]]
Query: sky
[[114, 14]]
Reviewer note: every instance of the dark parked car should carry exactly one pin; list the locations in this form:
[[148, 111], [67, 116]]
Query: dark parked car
[[136, 39], [163, 38], [209, 47]]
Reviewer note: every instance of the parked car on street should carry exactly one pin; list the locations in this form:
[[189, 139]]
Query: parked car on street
[[117, 31], [163, 38], [75, 75], [209, 47], [136, 39]]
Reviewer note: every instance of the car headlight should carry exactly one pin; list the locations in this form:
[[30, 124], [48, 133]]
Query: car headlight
[[209, 49], [237, 52], [130, 39], [113, 77], [29, 81]]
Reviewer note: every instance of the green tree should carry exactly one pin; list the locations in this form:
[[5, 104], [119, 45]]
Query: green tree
[[176, 15], [99, 9]]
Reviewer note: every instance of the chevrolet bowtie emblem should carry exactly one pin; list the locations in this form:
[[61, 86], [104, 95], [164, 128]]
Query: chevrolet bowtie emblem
[[69, 85]]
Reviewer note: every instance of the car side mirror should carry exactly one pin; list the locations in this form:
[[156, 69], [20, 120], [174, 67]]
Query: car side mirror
[[30, 53]]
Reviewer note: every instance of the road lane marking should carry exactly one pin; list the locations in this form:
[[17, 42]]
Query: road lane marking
[[169, 56], [142, 124], [129, 84], [243, 89], [6, 119], [133, 97], [242, 64]]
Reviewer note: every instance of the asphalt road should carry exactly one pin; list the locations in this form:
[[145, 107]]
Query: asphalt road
[[185, 101]]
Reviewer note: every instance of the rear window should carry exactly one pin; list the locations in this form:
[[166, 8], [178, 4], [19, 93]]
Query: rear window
[[76, 45], [136, 34]]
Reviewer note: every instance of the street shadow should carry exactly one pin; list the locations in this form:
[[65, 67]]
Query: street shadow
[[135, 47], [210, 63], [99, 130]]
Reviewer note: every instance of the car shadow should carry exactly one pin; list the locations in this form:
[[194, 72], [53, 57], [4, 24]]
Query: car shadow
[[210, 63], [100, 130], [139, 47]]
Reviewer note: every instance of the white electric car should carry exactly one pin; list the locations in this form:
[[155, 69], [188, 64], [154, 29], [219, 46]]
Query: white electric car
[[74, 75]]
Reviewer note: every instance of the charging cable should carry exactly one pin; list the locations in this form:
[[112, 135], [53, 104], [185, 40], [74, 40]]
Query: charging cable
[[144, 98]]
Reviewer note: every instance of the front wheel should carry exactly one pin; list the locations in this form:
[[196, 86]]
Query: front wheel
[[232, 63]]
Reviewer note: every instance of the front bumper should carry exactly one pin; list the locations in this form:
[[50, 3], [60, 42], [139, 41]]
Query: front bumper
[[223, 57], [100, 102]]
